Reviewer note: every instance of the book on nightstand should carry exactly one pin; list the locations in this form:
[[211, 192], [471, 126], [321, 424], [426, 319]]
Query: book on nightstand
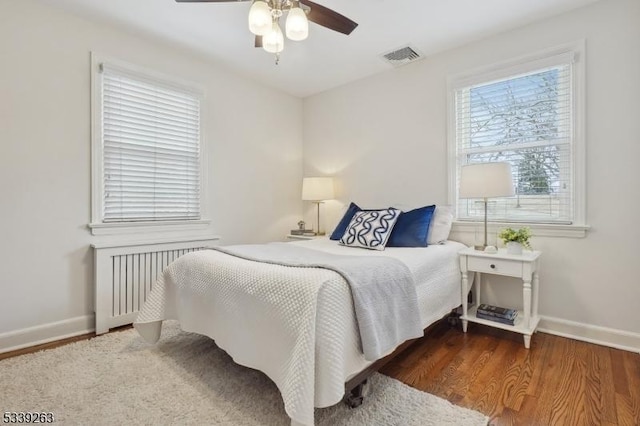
[[305, 232], [497, 312], [507, 321]]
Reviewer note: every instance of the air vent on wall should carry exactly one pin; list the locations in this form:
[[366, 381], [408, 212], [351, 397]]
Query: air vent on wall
[[402, 56]]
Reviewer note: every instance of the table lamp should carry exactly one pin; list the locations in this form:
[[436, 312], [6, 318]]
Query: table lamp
[[318, 189], [486, 180]]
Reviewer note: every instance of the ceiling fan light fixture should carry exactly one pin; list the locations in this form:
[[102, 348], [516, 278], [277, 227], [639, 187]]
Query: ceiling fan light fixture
[[260, 20], [297, 25], [273, 41], [264, 20]]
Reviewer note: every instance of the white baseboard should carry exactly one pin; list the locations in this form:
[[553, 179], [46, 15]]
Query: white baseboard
[[46, 333], [604, 336]]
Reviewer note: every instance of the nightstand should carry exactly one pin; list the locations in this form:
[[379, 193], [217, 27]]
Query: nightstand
[[524, 266], [303, 237]]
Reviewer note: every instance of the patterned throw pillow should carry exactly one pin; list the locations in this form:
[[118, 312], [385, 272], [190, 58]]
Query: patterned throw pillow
[[370, 229]]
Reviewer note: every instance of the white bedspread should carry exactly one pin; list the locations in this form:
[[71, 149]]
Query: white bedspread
[[297, 325], [382, 289]]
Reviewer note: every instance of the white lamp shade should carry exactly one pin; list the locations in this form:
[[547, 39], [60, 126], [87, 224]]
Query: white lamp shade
[[317, 188], [297, 25], [486, 180], [260, 20], [273, 41]]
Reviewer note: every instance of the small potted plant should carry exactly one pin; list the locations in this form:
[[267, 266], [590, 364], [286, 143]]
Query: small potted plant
[[516, 240]]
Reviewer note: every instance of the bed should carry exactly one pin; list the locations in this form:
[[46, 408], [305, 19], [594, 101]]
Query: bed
[[309, 350]]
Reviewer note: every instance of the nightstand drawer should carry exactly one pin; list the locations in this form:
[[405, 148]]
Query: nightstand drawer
[[495, 266]]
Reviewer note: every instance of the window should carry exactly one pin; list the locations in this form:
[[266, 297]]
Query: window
[[147, 148], [526, 115]]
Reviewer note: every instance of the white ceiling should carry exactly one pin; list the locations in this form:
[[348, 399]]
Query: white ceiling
[[326, 59]]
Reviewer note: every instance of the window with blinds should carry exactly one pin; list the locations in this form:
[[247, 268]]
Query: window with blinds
[[526, 120], [150, 148]]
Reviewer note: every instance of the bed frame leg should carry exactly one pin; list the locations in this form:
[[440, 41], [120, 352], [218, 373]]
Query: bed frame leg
[[355, 397], [453, 319]]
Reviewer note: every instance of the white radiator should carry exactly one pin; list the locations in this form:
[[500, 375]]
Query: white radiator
[[125, 273]]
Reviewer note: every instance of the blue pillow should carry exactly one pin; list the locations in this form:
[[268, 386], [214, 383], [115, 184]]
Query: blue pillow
[[344, 222], [412, 228]]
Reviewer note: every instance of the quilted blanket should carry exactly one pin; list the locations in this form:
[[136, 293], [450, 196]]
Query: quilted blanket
[[268, 317], [383, 290]]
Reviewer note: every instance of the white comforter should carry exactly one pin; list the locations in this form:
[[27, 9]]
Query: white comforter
[[297, 325]]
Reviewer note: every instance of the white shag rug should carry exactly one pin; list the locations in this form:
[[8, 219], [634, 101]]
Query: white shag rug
[[186, 379]]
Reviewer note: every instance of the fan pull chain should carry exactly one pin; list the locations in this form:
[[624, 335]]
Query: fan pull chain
[[277, 58]]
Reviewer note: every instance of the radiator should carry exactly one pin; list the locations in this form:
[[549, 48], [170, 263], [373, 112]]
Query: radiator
[[125, 273]]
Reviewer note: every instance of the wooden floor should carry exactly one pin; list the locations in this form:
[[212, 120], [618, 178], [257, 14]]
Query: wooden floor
[[57, 343], [557, 382]]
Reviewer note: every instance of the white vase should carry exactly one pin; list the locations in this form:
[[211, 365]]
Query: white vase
[[514, 247]]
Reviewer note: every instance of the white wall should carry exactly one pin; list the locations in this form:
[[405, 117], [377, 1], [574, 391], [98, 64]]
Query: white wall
[[385, 138], [45, 260]]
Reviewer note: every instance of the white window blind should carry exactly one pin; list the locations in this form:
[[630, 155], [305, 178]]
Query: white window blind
[[151, 148], [526, 120]]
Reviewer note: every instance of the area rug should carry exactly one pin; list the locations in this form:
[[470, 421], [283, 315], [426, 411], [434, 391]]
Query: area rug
[[185, 379]]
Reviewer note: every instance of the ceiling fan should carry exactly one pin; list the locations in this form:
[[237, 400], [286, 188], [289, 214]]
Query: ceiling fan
[[264, 16]]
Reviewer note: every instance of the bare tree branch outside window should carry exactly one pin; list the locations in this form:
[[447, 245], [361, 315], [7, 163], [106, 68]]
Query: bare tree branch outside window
[[525, 121]]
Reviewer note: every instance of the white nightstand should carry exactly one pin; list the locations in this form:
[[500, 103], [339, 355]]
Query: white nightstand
[[303, 237], [524, 266]]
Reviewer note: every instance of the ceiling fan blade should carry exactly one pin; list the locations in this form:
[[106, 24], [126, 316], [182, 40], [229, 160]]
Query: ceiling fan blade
[[318, 14], [208, 1], [258, 42], [329, 18]]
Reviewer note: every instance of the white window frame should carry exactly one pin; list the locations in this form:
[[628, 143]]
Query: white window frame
[[97, 225], [515, 67]]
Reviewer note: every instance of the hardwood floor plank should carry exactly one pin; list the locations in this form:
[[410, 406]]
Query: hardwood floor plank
[[544, 347], [428, 380], [451, 367], [530, 363], [632, 366], [516, 377], [600, 392], [577, 385], [619, 375], [485, 394], [507, 417], [422, 350], [555, 371], [567, 405], [527, 415], [428, 356], [624, 409], [470, 368]]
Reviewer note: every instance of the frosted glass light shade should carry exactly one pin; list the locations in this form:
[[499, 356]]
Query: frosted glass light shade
[[297, 25], [260, 20], [273, 41], [486, 180], [317, 189]]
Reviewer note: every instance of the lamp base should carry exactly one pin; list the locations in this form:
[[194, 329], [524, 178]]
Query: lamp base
[[486, 249], [320, 234]]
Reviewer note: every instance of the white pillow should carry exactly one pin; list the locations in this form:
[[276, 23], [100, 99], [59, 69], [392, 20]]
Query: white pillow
[[370, 229], [440, 225]]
